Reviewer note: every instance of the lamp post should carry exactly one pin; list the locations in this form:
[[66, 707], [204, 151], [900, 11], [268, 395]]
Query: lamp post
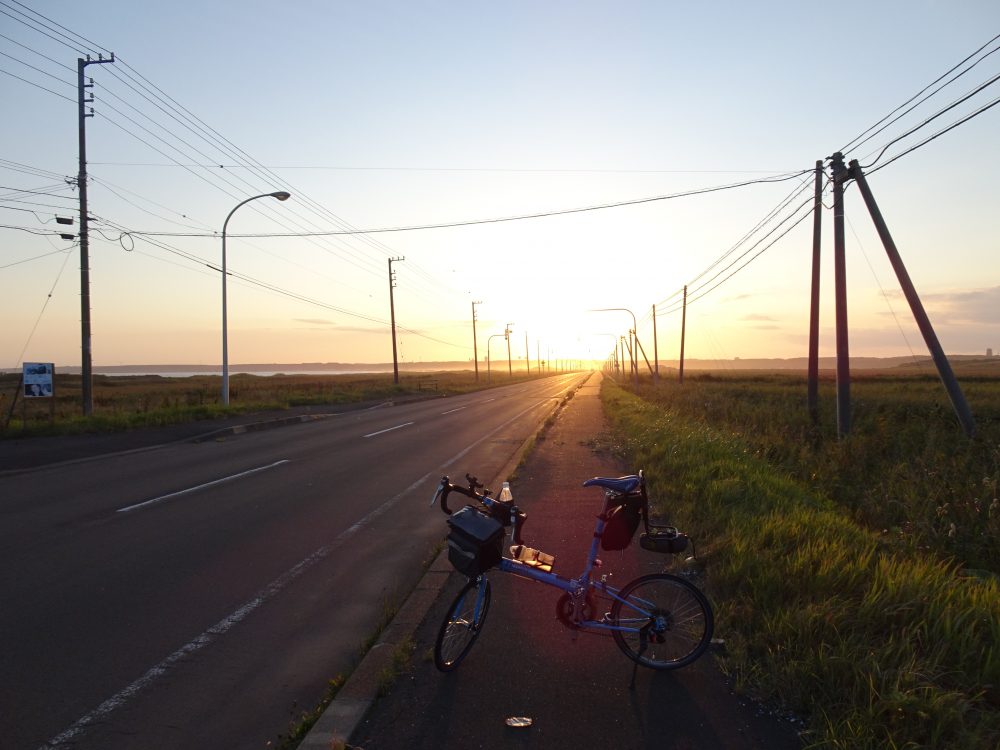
[[281, 195], [489, 370], [506, 333], [633, 356]]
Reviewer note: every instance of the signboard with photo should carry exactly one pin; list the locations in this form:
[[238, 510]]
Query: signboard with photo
[[38, 377]]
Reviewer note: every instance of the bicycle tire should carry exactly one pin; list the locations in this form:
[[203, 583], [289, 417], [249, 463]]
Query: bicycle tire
[[676, 616], [461, 625]]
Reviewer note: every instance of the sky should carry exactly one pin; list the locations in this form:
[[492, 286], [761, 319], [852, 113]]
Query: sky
[[406, 116]]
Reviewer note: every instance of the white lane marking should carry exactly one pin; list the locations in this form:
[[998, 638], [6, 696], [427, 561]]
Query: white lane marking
[[118, 700], [387, 429], [452, 411], [189, 490]]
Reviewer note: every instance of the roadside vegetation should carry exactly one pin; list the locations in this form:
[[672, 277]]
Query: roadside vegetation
[[855, 580], [130, 402]]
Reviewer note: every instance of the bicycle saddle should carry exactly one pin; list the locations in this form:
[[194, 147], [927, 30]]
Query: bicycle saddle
[[621, 484]]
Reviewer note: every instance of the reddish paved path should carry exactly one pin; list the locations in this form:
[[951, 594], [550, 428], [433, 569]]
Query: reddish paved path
[[527, 664]]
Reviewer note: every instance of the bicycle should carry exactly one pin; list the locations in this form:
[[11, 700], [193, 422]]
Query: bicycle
[[660, 621]]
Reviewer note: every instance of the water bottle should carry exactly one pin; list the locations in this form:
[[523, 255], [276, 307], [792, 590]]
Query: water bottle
[[505, 494]]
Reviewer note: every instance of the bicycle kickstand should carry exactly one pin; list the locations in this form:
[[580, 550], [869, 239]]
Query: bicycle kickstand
[[643, 642]]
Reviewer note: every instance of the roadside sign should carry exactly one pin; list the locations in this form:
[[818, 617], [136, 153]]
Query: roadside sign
[[38, 379]]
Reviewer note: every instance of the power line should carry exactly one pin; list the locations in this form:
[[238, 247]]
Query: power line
[[28, 169], [844, 148], [37, 85], [31, 230], [519, 217], [33, 25], [502, 170], [936, 115], [216, 140], [95, 47], [34, 51], [937, 134], [33, 192], [38, 70]]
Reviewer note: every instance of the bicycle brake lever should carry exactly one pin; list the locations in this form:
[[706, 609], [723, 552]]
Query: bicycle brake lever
[[439, 490]]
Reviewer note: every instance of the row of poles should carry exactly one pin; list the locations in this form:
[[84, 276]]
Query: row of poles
[[841, 175]]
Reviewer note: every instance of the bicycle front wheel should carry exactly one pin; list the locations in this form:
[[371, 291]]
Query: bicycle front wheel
[[665, 621], [462, 624]]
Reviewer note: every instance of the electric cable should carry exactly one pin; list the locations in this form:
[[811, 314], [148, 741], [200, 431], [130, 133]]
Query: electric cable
[[34, 27], [37, 85], [32, 50], [35, 257], [29, 170], [496, 220], [933, 117], [41, 312], [276, 289], [936, 135], [38, 70], [844, 148], [95, 47]]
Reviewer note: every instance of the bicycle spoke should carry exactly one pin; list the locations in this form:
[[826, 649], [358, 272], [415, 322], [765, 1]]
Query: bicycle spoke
[[672, 624]]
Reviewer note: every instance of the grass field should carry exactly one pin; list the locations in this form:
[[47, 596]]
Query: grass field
[[129, 402], [855, 580]]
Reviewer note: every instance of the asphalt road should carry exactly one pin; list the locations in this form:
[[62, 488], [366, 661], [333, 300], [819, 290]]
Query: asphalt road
[[201, 594], [575, 686]]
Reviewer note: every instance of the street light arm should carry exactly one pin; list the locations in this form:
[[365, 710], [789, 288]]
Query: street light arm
[[635, 326], [281, 195]]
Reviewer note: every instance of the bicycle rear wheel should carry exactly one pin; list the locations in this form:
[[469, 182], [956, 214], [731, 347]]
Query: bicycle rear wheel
[[462, 624], [668, 621]]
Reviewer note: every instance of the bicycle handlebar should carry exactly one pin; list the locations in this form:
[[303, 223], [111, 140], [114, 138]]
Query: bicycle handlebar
[[445, 487]]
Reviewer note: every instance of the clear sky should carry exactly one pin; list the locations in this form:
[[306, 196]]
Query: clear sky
[[401, 114]]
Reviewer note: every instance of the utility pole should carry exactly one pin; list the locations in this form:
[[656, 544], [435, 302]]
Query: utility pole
[[475, 345], [506, 333], [527, 352], [840, 176], [813, 377], [684, 316], [392, 314], [86, 368], [951, 385], [656, 352]]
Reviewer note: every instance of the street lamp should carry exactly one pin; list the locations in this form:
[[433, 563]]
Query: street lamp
[[281, 195], [506, 333], [633, 356]]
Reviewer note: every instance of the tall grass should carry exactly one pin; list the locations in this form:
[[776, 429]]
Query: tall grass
[[907, 471], [881, 645]]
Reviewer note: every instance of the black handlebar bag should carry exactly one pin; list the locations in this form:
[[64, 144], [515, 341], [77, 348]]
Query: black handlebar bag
[[475, 541]]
